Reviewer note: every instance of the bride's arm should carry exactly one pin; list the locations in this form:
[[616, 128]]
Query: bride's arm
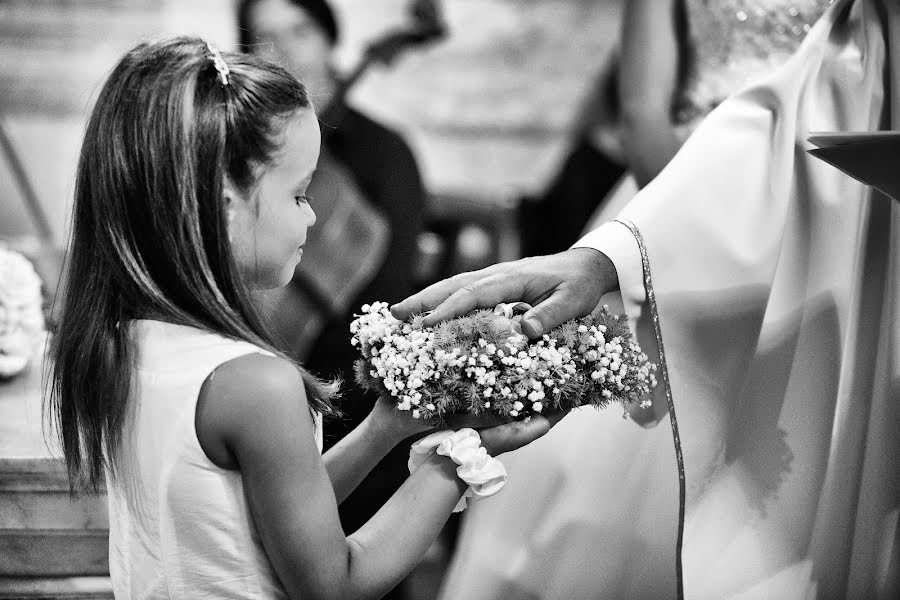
[[648, 78], [352, 458]]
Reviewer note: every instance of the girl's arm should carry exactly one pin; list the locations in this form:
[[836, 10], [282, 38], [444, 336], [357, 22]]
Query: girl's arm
[[648, 80], [253, 416], [357, 453]]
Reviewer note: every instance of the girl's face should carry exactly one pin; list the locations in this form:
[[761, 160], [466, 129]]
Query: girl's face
[[268, 226]]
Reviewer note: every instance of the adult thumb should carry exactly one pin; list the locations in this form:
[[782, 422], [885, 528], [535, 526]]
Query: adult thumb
[[545, 316]]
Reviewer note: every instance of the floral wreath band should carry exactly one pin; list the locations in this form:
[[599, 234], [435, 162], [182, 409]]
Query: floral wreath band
[[483, 365]]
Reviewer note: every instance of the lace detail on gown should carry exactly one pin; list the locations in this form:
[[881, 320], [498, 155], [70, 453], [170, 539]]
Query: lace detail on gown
[[733, 42]]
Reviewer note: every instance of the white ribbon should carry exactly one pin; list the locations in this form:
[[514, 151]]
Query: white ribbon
[[485, 474]]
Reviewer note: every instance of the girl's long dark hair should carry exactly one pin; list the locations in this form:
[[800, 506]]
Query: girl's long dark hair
[[149, 232]]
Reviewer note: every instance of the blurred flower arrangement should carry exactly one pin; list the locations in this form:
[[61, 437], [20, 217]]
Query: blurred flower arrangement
[[482, 364], [21, 312]]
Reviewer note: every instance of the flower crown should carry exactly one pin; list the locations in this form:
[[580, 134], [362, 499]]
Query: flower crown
[[482, 364]]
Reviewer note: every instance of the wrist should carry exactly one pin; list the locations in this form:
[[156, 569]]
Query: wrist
[[607, 270], [378, 435], [483, 475], [599, 266], [445, 467]]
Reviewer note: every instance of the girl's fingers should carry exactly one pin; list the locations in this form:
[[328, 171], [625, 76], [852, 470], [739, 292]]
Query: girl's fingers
[[510, 436]]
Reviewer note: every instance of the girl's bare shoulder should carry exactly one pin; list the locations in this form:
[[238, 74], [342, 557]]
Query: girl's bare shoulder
[[250, 397]]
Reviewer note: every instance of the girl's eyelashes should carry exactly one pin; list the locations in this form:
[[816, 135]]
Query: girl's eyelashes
[[302, 199]]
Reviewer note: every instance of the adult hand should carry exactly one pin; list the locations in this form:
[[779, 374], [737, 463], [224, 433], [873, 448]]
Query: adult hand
[[559, 287]]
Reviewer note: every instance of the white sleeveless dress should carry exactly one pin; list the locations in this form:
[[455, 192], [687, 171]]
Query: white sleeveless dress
[[179, 525]]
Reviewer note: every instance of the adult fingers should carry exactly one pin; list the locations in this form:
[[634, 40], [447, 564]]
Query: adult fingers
[[433, 295], [510, 436], [585, 275], [561, 306], [486, 292], [530, 280]]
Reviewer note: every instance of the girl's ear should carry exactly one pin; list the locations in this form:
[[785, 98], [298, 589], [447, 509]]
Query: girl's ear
[[232, 198], [230, 193]]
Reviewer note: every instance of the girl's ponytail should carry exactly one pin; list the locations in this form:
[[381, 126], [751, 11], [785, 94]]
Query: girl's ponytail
[[149, 228]]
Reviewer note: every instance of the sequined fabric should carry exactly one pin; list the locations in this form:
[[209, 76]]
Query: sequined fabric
[[733, 42]]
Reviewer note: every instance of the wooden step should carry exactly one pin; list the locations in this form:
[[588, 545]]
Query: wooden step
[[43, 552], [69, 588], [52, 510], [43, 530]]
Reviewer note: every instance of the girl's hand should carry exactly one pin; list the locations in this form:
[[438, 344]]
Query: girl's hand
[[396, 425], [515, 434]]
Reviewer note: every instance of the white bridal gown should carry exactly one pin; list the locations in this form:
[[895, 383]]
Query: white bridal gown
[[777, 280]]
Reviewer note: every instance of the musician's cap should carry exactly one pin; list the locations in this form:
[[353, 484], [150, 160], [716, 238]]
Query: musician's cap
[[873, 158]]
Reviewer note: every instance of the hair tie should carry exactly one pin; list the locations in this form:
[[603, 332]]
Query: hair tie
[[485, 474], [219, 63]]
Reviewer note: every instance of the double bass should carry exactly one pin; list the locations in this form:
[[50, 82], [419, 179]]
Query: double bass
[[348, 245]]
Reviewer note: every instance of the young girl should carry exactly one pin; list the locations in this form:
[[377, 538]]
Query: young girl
[[190, 194]]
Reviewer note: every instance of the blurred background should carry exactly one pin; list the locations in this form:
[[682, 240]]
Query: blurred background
[[492, 111], [488, 110]]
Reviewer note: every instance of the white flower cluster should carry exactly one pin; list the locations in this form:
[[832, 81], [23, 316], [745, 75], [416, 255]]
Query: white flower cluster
[[616, 365], [499, 371], [21, 314], [401, 357]]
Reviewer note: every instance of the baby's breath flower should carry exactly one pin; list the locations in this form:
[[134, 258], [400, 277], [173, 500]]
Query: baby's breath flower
[[442, 370]]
